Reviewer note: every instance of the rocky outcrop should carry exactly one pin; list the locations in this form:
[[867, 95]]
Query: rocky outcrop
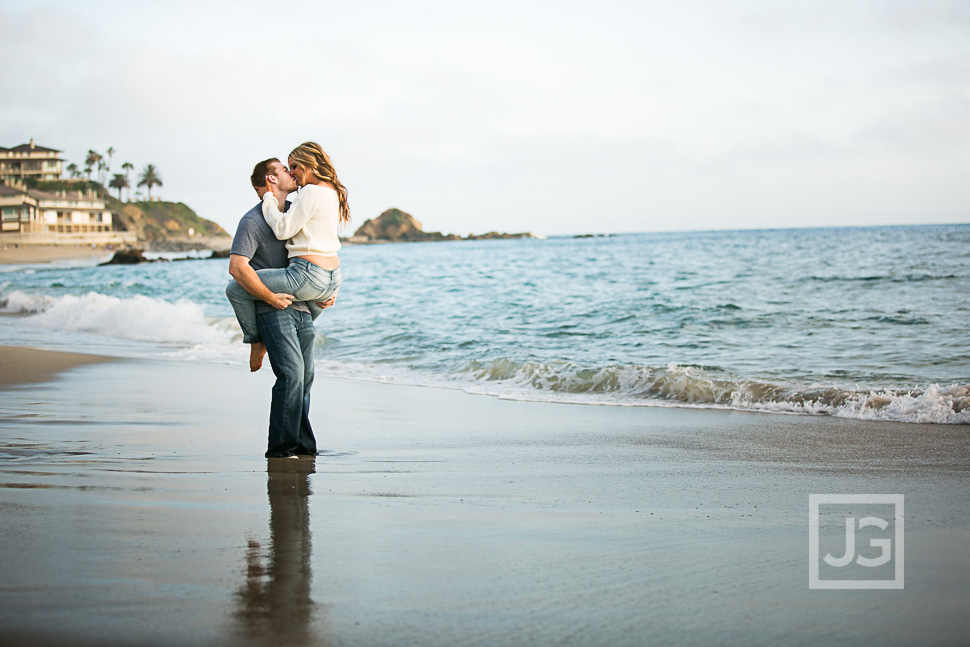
[[127, 257], [494, 235], [395, 226], [134, 256]]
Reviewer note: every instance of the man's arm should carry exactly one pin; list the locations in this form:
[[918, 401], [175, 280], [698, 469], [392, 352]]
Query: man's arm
[[329, 302], [246, 276]]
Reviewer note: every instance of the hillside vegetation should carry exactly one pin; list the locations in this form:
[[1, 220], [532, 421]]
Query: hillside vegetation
[[155, 222]]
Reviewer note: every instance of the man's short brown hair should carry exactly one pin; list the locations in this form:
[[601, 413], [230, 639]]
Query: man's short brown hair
[[263, 169]]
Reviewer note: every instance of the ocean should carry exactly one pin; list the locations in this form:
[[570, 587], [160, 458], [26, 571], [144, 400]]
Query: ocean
[[866, 323]]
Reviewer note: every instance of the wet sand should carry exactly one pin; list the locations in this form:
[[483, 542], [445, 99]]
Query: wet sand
[[137, 509], [27, 365], [10, 255]]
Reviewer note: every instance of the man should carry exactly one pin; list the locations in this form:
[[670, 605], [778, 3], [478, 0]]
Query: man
[[286, 330]]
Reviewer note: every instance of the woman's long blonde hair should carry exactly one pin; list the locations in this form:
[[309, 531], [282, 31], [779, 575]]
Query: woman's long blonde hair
[[313, 159]]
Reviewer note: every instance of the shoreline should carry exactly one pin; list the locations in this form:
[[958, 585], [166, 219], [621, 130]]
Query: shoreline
[[542, 397], [30, 254]]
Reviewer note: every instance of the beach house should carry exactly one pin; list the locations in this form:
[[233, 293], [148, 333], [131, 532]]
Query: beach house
[[30, 161]]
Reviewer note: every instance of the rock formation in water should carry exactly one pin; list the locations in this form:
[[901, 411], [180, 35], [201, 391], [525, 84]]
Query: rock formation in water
[[395, 226]]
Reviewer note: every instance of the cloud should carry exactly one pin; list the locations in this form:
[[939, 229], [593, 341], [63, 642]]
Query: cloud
[[552, 117]]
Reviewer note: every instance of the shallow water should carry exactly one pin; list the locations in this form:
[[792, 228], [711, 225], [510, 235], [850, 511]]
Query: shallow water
[[856, 322]]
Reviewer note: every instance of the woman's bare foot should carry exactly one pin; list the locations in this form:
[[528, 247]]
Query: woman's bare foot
[[256, 353]]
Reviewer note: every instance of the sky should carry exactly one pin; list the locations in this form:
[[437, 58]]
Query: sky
[[552, 117]]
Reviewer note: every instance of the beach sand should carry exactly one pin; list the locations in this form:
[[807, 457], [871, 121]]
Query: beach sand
[[26, 365], [11, 255], [137, 509]]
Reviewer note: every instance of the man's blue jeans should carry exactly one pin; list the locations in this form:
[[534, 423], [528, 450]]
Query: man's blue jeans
[[289, 335]]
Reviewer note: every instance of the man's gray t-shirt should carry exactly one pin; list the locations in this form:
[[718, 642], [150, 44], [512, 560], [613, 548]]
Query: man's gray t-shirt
[[256, 241]]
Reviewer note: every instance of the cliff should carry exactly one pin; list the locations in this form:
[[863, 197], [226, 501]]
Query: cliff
[[167, 225], [394, 226]]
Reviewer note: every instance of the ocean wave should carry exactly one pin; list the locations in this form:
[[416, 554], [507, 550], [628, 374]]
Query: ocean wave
[[138, 318], [900, 321], [909, 278], [696, 386]]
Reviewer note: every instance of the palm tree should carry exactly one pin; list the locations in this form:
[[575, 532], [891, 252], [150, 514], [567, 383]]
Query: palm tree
[[91, 162], [119, 181], [149, 178], [128, 167], [102, 176], [73, 170], [110, 152]]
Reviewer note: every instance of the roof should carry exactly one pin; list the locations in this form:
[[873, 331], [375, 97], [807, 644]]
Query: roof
[[65, 196], [42, 195], [6, 190], [26, 148]]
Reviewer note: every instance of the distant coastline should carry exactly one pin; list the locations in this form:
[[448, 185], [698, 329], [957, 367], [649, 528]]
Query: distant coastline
[[43, 208]]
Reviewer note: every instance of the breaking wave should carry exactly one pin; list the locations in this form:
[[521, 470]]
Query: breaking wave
[[138, 318], [706, 387]]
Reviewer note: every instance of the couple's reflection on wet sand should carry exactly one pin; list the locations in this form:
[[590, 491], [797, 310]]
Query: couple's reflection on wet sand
[[274, 605]]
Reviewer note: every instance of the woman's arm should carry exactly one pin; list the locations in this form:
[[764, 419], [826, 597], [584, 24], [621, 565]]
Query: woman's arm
[[286, 225]]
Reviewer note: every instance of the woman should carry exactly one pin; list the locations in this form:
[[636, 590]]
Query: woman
[[310, 229]]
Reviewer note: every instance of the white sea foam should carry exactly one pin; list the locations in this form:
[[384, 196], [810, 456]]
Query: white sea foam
[[936, 404], [675, 385], [137, 318]]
